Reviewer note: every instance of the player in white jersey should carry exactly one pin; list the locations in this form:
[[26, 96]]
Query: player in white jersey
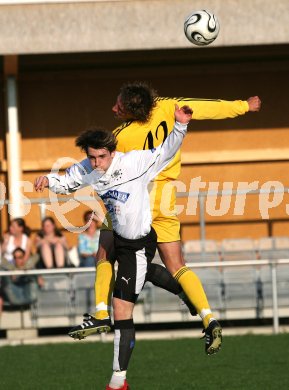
[[121, 181], [147, 121]]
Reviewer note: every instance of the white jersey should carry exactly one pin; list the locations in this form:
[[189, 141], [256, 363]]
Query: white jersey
[[123, 187]]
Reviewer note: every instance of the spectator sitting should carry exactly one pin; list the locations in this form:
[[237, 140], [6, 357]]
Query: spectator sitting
[[88, 240], [18, 290], [51, 244], [17, 237]]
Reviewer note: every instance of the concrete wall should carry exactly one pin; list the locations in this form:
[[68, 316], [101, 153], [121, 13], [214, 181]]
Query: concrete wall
[[134, 24]]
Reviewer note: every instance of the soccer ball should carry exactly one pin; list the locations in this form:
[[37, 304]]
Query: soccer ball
[[201, 27]]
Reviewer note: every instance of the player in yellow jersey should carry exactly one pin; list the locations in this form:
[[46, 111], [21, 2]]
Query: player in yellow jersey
[[147, 121]]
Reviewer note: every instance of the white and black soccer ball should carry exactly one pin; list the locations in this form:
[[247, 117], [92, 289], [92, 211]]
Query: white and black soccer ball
[[201, 27]]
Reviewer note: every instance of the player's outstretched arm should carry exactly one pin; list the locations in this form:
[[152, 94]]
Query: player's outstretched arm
[[218, 108], [184, 114], [254, 103]]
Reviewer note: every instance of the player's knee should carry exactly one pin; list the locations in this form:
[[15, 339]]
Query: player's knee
[[173, 265], [122, 310], [104, 254]]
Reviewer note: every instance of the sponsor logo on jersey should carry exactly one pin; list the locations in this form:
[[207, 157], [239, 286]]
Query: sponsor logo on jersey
[[117, 195]]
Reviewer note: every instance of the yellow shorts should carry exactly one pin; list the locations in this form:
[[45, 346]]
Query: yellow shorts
[[165, 221]]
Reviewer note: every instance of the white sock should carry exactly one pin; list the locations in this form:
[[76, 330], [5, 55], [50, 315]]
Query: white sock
[[204, 313], [117, 379], [102, 307]]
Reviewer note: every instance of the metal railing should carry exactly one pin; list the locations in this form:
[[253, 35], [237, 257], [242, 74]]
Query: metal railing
[[236, 263], [202, 195]]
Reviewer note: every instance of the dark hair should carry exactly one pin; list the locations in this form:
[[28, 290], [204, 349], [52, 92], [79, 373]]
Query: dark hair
[[87, 214], [18, 249], [57, 232], [21, 223], [96, 138], [138, 100]]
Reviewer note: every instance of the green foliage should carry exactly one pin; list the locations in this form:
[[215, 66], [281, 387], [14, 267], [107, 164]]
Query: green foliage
[[245, 362]]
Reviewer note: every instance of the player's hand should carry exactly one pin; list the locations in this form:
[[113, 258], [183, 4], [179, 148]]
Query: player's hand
[[254, 103], [40, 183], [183, 114]]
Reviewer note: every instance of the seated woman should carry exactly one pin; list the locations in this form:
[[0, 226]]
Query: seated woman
[[88, 240], [51, 245], [16, 237]]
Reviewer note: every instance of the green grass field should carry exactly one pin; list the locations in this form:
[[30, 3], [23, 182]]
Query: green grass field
[[245, 363]]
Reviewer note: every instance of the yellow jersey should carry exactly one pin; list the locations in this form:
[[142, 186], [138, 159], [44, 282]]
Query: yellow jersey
[[134, 135]]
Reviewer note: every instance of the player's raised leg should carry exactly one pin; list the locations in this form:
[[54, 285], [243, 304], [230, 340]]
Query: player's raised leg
[[104, 284], [171, 255], [159, 276], [104, 277]]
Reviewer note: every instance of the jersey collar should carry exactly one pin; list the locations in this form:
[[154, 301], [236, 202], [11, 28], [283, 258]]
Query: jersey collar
[[107, 176]]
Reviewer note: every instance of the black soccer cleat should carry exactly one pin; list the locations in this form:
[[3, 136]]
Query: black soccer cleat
[[213, 336], [90, 326]]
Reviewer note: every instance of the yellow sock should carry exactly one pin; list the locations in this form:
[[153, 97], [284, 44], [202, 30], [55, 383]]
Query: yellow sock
[[193, 288], [104, 284]]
